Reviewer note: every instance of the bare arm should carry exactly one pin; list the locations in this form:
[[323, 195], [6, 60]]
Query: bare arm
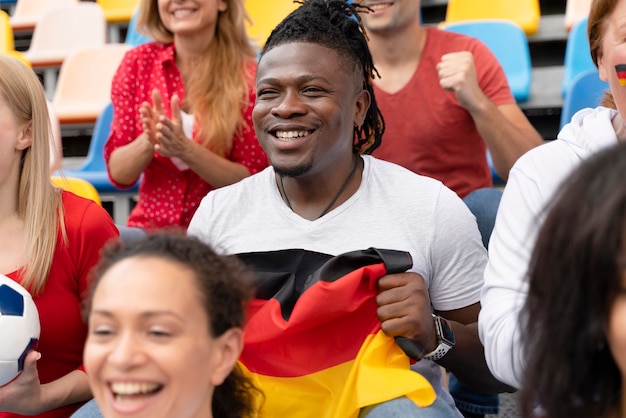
[[127, 162], [505, 129], [404, 310]]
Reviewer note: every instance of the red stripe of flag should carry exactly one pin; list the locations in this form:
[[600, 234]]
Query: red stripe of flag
[[309, 342]]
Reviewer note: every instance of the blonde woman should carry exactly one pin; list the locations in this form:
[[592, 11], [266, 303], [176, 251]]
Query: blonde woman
[[183, 109], [49, 240]]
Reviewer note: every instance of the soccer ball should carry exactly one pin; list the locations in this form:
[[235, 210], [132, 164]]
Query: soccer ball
[[19, 328]]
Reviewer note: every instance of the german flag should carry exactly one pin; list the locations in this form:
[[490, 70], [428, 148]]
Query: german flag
[[313, 342], [620, 69]]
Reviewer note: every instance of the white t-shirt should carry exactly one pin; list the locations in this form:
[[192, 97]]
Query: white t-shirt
[[393, 208]]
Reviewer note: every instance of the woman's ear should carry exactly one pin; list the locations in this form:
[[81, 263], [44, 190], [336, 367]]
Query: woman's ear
[[602, 70], [227, 350], [25, 139]]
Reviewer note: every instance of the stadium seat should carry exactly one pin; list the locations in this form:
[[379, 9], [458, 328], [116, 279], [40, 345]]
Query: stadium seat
[[84, 85], [94, 168], [265, 17], [28, 12], [586, 90], [575, 10], [577, 55], [495, 177], [77, 186], [61, 31], [117, 12], [7, 43], [6, 33], [525, 13], [133, 36], [509, 44]]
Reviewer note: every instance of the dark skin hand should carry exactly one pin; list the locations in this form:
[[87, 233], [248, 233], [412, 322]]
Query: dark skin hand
[[404, 310]]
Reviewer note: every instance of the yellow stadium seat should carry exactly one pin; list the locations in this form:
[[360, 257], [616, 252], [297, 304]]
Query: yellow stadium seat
[[19, 56], [117, 12], [77, 186], [7, 42], [6, 33], [525, 13], [265, 16]]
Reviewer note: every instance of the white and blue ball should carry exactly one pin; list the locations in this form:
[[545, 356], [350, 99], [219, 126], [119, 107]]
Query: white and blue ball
[[19, 328]]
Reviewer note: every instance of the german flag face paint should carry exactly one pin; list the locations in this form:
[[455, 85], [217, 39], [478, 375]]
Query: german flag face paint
[[621, 74]]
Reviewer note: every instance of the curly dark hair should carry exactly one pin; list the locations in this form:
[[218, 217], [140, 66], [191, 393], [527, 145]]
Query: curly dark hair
[[224, 286], [336, 24], [574, 278]]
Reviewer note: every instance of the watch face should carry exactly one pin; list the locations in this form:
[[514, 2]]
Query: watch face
[[446, 333]]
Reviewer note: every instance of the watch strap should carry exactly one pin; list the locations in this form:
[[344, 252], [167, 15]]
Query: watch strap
[[443, 346]]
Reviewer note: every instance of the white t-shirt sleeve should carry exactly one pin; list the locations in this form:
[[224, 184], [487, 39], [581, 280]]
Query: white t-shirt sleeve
[[457, 254]]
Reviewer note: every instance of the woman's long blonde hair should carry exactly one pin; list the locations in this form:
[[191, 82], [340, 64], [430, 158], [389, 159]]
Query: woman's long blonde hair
[[218, 88], [38, 201]]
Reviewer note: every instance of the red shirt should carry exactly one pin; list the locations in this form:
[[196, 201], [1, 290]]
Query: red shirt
[[167, 195], [428, 131], [63, 331]]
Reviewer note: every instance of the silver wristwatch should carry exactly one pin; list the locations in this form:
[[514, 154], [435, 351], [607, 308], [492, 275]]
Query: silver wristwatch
[[445, 339]]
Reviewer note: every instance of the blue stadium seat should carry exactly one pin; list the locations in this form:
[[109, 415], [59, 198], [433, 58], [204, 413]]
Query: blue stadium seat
[[509, 44], [586, 90], [577, 55], [495, 177], [94, 168]]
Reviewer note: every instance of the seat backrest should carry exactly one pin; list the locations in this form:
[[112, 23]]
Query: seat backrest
[[6, 33], [79, 187], [264, 17], [575, 10], [117, 11], [68, 28], [84, 85], [509, 44], [28, 12], [525, 13], [577, 54], [586, 90], [99, 136], [133, 36]]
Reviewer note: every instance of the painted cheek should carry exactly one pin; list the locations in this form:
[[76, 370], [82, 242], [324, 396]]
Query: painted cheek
[[620, 69]]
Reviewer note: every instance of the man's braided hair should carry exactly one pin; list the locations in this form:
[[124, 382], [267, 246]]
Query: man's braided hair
[[336, 24]]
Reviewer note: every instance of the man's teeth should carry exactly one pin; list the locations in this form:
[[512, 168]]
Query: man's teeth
[[290, 134], [379, 6], [126, 388]]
